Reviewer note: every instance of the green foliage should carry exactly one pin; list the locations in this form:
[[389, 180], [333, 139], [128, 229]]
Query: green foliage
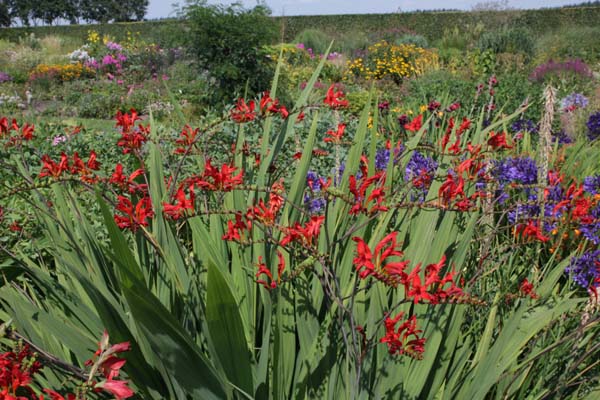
[[572, 42], [432, 84], [417, 40], [314, 39], [515, 40], [434, 25], [227, 41]]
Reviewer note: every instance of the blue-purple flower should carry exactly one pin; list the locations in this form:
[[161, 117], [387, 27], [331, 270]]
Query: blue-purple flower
[[521, 125], [420, 171], [312, 199], [515, 170], [574, 101], [593, 125], [591, 184], [585, 269]]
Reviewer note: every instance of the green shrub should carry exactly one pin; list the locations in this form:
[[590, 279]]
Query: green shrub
[[417, 40], [314, 39], [433, 84], [515, 40], [228, 42], [349, 43], [574, 42]]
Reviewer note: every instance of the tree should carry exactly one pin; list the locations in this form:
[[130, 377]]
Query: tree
[[228, 41], [492, 5], [5, 19], [21, 9]]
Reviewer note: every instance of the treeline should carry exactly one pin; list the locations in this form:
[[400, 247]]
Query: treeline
[[49, 12], [585, 4]]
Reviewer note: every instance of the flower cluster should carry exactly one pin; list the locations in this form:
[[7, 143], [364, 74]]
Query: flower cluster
[[61, 72], [19, 366], [420, 172], [404, 339], [593, 126], [396, 62], [573, 102], [313, 199], [16, 371], [577, 67], [384, 264], [4, 77], [585, 269]]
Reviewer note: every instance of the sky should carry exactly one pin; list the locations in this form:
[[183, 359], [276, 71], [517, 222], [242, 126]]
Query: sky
[[163, 9]]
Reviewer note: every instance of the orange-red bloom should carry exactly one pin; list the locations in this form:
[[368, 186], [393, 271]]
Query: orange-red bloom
[[243, 112], [335, 99], [383, 264], [335, 137], [415, 125], [399, 340], [219, 180], [498, 141]]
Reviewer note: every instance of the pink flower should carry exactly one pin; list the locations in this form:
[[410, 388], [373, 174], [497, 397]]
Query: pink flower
[[118, 388]]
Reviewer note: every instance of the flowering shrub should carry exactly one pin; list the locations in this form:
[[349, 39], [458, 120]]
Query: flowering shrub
[[4, 77], [60, 72], [395, 62], [552, 68]]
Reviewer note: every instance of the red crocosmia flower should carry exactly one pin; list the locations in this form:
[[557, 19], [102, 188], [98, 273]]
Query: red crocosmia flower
[[16, 372], [27, 132], [530, 232], [186, 140], [92, 163], [335, 137], [234, 230], [269, 283], [455, 148], [335, 99], [359, 192], [399, 340], [283, 112], [128, 182], [15, 227], [133, 140], [265, 101], [52, 169], [383, 263], [526, 289], [4, 128], [306, 235], [415, 289], [78, 165], [267, 213], [127, 120], [119, 389], [112, 367], [182, 204], [452, 188], [219, 180], [14, 126], [263, 270], [415, 125], [498, 141], [133, 217], [300, 117], [243, 112]]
